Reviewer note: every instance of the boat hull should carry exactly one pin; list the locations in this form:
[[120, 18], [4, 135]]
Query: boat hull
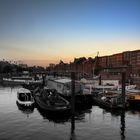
[[25, 103], [105, 104], [51, 108], [25, 107], [134, 103]]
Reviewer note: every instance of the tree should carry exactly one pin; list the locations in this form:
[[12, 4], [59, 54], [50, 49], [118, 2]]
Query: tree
[[7, 69], [19, 69]]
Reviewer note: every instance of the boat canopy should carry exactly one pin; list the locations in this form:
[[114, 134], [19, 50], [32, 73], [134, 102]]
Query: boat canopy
[[23, 90], [25, 97]]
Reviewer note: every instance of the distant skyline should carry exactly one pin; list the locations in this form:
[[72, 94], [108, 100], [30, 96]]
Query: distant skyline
[[40, 32]]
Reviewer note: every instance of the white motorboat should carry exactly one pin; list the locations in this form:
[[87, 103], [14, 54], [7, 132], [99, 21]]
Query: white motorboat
[[24, 97]]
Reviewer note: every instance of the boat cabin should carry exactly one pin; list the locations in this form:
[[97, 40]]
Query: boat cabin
[[24, 97], [63, 85]]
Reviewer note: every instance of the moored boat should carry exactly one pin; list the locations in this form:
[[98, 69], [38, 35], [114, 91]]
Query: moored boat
[[49, 100], [63, 85], [24, 97], [20, 80], [108, 100]]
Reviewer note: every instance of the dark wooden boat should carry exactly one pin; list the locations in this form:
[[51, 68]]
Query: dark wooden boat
[[50, 100]]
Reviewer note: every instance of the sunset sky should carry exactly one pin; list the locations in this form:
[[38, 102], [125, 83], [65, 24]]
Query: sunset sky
[[40, 32]]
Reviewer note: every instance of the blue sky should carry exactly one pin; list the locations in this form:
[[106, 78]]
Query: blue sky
[[43, 31]]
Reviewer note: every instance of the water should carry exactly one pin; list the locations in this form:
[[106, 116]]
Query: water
[[95, 123]]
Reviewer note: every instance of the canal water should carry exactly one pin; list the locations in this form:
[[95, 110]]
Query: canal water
[[92, 123]]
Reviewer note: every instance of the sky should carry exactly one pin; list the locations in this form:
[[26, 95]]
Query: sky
[[39, 32]]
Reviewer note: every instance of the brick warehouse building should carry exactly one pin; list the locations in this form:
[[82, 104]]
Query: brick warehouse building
[[128, 61], [110, 67]]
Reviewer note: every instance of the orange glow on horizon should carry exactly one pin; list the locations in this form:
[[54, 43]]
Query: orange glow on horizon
[[32, 54]]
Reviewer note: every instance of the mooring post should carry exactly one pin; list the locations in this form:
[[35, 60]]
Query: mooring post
[[73, 98], [43, 78], [123, 88]]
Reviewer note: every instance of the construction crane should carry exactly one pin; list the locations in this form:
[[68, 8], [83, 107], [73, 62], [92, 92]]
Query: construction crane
[[95, 65]]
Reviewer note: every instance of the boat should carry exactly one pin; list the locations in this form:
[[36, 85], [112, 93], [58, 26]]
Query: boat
[[108, 100], [49, 100], [93, 86], [63, 85], [95, 89], [128, 88], [25, 98], [133, 90], [134, 100], [20, 80]]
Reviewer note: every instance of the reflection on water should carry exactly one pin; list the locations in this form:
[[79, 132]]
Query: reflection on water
[[134, 111], [57, 118], [61, 118], [73, 135], [27, 110], [122, 125], [121, 115], [89, 122]]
